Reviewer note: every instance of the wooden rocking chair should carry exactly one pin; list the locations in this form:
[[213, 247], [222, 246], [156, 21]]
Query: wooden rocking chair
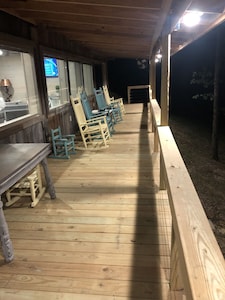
[[94, 132], [63, 145], [103, 106], [111, 100], [91, 114]]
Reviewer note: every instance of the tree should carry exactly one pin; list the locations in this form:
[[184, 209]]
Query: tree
[[204, 79], [215, 124], [210, 84]]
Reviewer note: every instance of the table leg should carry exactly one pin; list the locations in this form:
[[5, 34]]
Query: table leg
[[7, 247], [48, 178]]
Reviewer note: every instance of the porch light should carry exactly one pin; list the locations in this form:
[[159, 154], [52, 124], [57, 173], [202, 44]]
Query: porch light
[[191, 18], [158, 57]]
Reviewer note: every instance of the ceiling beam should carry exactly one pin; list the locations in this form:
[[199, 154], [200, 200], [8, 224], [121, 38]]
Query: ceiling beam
[[152, 4], [100, 20], [102, 29], [80, 9]]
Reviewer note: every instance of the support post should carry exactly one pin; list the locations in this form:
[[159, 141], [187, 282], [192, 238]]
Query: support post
[[48, 178], [165, 80], [6, 243], [104, 74], [153, 77]]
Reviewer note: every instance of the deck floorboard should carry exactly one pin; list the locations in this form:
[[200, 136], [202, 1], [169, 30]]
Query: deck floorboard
[[106, 236]]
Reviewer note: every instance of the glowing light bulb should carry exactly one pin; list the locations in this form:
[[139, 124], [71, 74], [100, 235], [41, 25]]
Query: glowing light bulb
[[192, 18]]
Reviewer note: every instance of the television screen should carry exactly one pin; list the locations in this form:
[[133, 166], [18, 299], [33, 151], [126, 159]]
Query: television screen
[[51, 68]]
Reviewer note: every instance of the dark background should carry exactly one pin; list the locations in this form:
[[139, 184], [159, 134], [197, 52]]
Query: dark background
[[200, 54]]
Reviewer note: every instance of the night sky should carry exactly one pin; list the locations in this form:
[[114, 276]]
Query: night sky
[[195, 57], [125, 72]]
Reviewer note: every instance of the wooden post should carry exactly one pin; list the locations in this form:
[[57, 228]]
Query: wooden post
[[176, 281], [48, 179], [104, 74], [6, 243], [153, 77], [40, 73], [165, 78], [162, 184], [128, 94]]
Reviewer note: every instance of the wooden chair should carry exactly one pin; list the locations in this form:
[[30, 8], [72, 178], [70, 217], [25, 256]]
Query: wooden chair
[[62, 145], [103, 106], [30, 185], [111, 100], [94, 132], [90, 114]]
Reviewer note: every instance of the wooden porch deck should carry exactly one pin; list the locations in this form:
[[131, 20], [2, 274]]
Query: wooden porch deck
[[106, 236]]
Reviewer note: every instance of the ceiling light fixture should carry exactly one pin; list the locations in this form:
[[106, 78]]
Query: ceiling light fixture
[[191, 18]]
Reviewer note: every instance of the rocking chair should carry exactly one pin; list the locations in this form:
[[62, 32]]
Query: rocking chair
[[90, 114], [94, 132], [111, 100], [103, 106]]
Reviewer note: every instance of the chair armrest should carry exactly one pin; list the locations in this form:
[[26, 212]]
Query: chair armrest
[[114, 105], [98, 114], [60, 140], [72, 136], [97, 119], [119, 100]]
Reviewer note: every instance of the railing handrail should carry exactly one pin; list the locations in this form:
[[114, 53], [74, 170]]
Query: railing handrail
[[197, 263], [136, 87]]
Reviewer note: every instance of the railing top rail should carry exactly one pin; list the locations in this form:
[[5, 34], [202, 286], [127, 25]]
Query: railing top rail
[[142, 86], [202, 265], [156, 111], [201, 260]]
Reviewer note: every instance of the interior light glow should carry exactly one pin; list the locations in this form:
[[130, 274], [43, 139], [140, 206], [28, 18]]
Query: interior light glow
[[1, 52], [159, 56], [191, 18]]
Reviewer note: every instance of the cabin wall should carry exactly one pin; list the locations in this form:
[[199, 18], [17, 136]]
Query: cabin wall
[[22, 36], [29, 130], [63, 117]]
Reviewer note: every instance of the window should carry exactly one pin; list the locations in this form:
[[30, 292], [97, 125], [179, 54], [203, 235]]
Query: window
[[18, 90], [76, 77], [88, 79], [56, 81]]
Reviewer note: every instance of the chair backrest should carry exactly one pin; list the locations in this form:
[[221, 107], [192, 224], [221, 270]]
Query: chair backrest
[[79, 90], [78, 110], [86, 105], [106, 94], [56, 134], [100, 98]]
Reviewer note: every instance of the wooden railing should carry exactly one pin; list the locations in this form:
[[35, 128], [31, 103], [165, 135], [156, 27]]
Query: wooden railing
[[135, 87], [197, 263]]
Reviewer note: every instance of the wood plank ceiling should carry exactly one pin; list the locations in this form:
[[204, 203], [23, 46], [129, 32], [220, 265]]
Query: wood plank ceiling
[[115, 28]]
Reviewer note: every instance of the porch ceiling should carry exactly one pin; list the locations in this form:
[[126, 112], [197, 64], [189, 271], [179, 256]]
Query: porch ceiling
[[119, 28]]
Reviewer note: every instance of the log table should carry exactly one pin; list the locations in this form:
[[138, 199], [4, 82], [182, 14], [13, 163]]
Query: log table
[[16, 160]]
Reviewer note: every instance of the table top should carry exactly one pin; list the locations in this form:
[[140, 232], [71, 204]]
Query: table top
[[16, 160]]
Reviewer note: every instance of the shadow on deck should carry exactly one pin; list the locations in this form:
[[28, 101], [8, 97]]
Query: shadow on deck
[[152, 231]]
